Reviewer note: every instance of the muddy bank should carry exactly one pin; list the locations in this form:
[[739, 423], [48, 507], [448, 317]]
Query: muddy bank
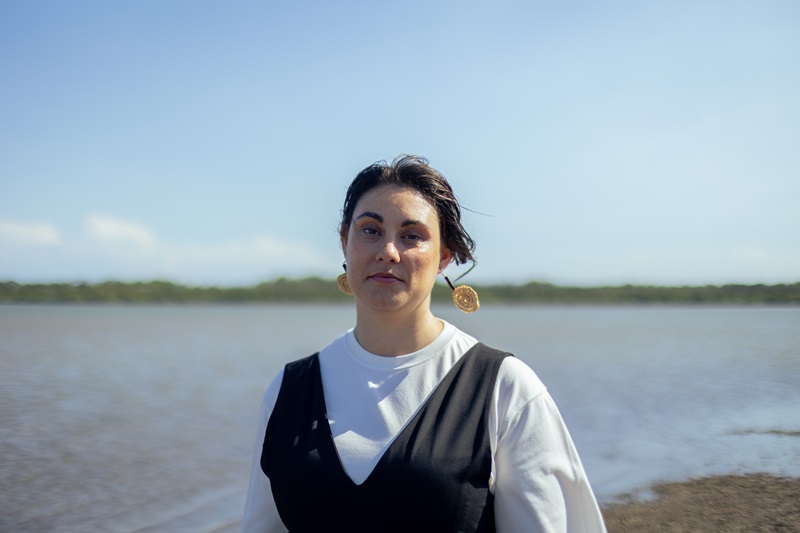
[[733, 503]]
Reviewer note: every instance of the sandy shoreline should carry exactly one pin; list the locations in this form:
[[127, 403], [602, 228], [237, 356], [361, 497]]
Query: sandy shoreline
[[729, 504]]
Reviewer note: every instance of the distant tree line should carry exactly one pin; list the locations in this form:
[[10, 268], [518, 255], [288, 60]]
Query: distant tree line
[[318, 290]]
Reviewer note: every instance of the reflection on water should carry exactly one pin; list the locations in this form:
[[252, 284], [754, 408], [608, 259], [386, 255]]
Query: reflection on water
[[142, 418]]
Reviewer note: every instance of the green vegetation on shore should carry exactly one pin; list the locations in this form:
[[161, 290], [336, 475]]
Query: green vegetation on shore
[[317, 290]]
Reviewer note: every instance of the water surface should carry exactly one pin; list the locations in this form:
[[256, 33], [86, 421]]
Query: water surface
[[142, 418]]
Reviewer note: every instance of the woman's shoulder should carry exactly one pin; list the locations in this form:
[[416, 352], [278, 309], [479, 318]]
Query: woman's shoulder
[[516, 374], [271, 394], [514, 377], [517, 390], [300, 365]]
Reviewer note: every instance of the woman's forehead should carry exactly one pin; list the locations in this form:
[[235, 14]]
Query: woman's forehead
[[391, 200]]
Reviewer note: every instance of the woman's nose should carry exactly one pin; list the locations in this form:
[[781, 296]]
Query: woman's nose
[[388, 252]]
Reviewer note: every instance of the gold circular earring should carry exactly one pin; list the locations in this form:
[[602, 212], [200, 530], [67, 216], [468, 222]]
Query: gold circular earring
[[341, 281], [464, 296]]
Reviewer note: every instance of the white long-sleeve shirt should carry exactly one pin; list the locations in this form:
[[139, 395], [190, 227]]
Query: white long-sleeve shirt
[[537, 479]]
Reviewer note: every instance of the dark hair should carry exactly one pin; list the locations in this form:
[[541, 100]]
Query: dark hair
[[414, 172]]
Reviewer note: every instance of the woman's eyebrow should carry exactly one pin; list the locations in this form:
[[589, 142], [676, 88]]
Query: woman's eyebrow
[[370, 214], [379, 218]]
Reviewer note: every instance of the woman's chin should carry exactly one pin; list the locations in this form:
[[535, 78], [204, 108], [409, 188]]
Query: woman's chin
[[384, 300]]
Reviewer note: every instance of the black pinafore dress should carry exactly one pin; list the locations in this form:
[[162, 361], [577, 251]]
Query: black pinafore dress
[[433, 477]]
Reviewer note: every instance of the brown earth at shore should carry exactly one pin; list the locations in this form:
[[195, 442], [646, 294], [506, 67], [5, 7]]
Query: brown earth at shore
[[750, 503]]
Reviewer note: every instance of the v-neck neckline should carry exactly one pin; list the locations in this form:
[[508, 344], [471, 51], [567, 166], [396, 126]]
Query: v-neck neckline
[[413, 418]]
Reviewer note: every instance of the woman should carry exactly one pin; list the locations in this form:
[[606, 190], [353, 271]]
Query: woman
[[406, 423]]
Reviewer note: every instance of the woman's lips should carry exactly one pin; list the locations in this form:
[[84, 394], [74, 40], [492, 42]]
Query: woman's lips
[[384, 277]]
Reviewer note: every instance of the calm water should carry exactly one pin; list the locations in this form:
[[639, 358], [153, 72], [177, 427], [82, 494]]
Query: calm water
[[143, 418]]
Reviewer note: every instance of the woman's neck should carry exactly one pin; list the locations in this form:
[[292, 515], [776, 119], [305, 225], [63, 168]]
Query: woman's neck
[[390, 335]]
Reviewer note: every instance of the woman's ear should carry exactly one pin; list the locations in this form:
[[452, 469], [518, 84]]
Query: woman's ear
[[447, 256], [343, 237]]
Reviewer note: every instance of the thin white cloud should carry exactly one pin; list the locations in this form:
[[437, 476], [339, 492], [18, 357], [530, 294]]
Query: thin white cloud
[[110, 230], [37, 234]]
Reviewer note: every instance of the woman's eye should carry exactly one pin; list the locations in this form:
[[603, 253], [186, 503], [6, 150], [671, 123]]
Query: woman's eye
[[370, 231], [413, 237]]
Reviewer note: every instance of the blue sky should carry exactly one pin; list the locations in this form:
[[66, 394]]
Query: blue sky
[[212, 142]]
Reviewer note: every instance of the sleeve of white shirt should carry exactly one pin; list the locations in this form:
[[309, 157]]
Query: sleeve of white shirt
[[260, 513], [539, 482]]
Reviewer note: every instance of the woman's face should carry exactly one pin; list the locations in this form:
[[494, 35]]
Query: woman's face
[[393, 250]]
